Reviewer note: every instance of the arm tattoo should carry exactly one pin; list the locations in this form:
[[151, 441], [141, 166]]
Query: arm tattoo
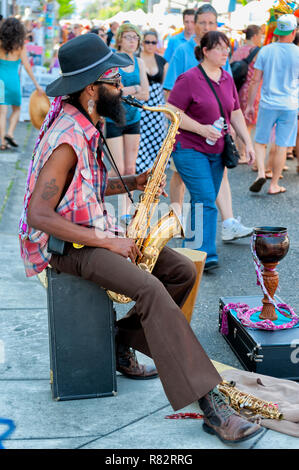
[[116, 187], [50, 190]]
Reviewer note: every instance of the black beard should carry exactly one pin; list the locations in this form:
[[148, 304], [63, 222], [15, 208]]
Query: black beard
[[110, 105]]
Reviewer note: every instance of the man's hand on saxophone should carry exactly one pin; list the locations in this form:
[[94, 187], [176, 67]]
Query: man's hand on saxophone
[[141, 181], [125, 247], [133, 182]]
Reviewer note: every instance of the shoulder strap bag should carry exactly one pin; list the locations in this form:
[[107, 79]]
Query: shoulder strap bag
[[230, 154], [252, 55]]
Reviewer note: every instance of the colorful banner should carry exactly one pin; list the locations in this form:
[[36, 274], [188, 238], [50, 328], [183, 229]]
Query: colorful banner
[[35, 54], [280, 7]]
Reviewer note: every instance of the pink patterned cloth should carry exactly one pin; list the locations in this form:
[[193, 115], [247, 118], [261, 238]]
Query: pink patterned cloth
[[244, 314], [241, 53]]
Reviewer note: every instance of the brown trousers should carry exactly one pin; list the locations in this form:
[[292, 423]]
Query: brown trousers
[[155, 325]]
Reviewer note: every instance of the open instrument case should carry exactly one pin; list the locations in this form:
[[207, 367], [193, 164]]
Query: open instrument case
[[274, 353]]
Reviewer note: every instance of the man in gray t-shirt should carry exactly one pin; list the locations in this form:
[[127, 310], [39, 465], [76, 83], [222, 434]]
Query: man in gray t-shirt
[[278, 66]]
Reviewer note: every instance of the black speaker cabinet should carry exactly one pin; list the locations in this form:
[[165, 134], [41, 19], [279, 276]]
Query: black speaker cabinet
[[81, 338], [273, 353]]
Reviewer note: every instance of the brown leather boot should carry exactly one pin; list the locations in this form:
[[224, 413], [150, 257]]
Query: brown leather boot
[[220, 419], [127, 364]]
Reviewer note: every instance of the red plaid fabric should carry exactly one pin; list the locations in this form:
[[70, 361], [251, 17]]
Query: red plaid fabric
[[83, 202]]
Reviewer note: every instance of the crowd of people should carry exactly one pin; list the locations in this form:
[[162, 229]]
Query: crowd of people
[[160, 74], [166, 72], [68, 180], [65, 198]]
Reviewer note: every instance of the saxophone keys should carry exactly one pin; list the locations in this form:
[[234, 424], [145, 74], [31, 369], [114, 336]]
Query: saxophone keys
[[144, 267], [150, 252]]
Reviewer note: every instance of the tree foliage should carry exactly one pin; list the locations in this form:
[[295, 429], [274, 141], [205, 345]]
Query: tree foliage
[[131, 5], [95, 11], [91, 11], [66, 8]]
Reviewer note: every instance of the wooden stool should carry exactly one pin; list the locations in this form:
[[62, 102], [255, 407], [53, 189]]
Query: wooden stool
[[81, 338], [199, 259]]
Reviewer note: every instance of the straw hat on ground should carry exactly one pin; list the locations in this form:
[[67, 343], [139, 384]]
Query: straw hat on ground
[[39, 106]]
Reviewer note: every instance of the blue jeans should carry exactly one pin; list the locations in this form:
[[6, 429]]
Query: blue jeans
[[202, 174]]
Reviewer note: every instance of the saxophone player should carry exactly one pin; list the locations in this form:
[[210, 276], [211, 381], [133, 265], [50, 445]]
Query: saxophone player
[[65, 198]]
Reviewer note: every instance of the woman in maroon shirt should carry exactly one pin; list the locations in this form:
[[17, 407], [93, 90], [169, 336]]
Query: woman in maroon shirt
[[199, 163]]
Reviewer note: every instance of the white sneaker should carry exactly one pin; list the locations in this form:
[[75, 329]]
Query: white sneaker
[[235, 230]]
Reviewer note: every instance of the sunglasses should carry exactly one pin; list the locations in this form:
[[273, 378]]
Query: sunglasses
[[150, 42], [114, 80]]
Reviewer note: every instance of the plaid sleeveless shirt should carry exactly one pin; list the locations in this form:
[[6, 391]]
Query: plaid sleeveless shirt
[[83, 202]]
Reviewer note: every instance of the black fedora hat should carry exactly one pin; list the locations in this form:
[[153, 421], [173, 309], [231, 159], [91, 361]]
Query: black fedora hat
[[82, 61]]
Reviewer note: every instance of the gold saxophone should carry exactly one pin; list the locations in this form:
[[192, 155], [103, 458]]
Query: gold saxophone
[[151, 240], [249, 404]]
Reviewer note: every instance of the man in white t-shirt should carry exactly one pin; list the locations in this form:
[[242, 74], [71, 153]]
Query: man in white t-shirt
[[278, 66]]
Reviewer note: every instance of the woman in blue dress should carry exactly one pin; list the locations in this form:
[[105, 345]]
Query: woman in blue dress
[[12, 55], [123, 141]]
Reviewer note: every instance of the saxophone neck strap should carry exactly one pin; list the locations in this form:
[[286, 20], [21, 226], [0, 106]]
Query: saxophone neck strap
[[111, 160], [105, 148]]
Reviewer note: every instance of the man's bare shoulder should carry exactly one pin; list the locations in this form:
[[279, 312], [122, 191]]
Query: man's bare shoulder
[[62, 159], [52, 179]]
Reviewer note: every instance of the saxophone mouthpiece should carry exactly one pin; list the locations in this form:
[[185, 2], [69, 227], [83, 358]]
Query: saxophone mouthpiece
[[132, 101]]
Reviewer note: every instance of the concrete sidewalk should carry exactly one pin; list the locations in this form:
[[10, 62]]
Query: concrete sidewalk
[[135, 418]]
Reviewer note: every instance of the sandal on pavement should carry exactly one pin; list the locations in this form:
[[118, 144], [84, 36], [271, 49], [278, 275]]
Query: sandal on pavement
[[290, 156], [4, 147], [281, 190], [242, 160], [11, 141], [257, 185], [269, 175]]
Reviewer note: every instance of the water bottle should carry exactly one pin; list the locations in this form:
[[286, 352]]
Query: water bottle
[[219, 124]]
